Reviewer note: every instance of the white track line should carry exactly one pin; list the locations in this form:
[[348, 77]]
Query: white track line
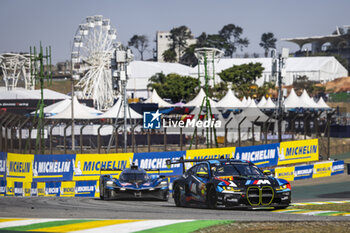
[[16, 223], [133, 226]]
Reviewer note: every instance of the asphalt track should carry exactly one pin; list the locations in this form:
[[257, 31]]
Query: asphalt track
[[87, 207]]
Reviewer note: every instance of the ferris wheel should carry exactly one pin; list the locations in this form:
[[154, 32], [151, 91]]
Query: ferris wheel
[[93, 47]]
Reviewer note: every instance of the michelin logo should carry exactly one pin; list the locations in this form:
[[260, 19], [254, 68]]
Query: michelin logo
[[154, 163], [2, 165], [50, 167], [305, 172], [151, 120], [257, 155]]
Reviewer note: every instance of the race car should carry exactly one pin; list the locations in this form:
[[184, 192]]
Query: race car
[[134, 182], [229, 183]]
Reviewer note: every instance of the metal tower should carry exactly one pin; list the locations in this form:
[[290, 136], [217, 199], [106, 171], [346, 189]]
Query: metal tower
[[40, 69], [206, 59]]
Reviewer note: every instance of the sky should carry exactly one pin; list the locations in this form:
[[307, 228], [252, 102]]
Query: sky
[[24, 23]]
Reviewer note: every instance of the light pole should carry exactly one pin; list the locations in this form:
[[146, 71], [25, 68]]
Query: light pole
[[120, 64]]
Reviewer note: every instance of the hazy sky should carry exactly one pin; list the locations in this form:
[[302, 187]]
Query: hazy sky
[[25, 23]]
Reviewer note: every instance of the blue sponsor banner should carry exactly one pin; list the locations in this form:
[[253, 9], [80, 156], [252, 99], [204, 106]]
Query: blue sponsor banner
[[261, 156], [85, 188], [34, 189], [2, 187], [53, 167], [3, 157], [157, 160], [337, 167], [19, 189], [52, 189], [303, 172]]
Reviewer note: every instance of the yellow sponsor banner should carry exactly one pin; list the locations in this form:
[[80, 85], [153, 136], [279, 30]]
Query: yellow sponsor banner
[[19, 167], [298, 151], [10, 188], [67, 189], [322, 169], [41, 188], [97, 190], [88, 166], [286, 173], [27, 186], [214, 153]]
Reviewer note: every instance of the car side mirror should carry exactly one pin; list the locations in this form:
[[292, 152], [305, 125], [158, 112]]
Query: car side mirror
[[203, 174], [267, 172]]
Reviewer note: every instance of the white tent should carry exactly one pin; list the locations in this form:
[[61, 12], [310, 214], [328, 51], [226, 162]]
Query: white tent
[[251, 103], [113, 112], [80, 111], [262, 102], [305, 98], [269, 104], [198, 100], [232, 126], [322, 104], [244, 101], [293, 101], [55, 108], [230, 101], [252, 113], [155, 99], [21, 93]]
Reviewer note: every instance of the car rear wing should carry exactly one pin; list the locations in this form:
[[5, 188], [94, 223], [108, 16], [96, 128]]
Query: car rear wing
[[110, 169], [183, 161]]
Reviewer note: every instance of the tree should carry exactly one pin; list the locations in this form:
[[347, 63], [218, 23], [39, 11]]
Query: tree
[[174, 86], [169, 55], [232, 36], [268, 41], [140, 43], [242, 76], [179, 37]]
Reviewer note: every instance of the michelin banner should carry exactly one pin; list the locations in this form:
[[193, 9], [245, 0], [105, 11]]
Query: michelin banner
[[3, 156], [317, 170], [261, 156], [298, 152], [88, 166], [53, 167], [157, 160]]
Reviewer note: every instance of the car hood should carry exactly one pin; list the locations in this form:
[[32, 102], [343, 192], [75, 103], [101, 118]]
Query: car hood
[[235, 181]]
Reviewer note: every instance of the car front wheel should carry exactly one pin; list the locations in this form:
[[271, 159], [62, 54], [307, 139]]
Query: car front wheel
[[212, 198], [177, 196]]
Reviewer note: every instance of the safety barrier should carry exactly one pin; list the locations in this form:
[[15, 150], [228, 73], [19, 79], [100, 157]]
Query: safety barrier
[[78, 174], [316, 170]]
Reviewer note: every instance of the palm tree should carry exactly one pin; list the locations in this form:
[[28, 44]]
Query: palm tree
[[268, 41]]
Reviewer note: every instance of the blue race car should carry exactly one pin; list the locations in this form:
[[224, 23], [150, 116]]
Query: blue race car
[[229, 183], [134, 182]]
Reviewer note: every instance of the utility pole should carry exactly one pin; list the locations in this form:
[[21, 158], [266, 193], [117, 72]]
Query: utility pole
[[281, 73]]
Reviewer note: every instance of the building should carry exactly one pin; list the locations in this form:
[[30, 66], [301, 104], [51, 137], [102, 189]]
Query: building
[[336, 43], [164, 41]]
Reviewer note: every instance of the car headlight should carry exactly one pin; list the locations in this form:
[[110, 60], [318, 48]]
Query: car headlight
[[229, 188], [281, 187], [110, 183], [163, 184]]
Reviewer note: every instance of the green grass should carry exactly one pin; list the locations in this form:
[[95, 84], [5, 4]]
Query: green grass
[[339, 97], [186, 227], [335, 207]]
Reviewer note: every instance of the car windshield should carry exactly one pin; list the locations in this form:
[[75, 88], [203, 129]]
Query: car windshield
[[236, 170], [134, 177]]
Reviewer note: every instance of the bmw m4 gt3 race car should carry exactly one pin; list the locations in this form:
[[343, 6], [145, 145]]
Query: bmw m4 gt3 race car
[[134, 182], [229, 183]]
